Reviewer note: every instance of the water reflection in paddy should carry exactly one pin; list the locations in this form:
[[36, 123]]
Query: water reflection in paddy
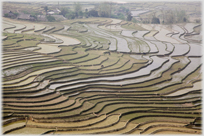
[[157, 62]]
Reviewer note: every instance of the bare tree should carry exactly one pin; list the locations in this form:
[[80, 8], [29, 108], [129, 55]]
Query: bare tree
[[169, 17], [104, 9]]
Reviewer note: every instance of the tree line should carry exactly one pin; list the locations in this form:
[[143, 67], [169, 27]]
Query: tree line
[[110, 10], [103, 9], [166, 17]]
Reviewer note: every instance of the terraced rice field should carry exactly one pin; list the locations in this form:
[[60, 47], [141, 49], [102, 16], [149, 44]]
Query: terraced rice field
[[101, 76]]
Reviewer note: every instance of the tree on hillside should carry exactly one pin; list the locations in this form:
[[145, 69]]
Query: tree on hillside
[[93, 13], [129, 16], [122, 9], [175, 16], [77, 9], [46, 9], [127, 11], [86, 13], [81, 13], [184, 19], [162, 13], [155, 20], [64, 11]]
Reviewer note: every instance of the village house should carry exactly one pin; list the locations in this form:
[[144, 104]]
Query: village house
[[28, 17], [54, 12], [41, 18]]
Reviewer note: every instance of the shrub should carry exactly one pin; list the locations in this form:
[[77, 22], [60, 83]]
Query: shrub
[[64, 11], [134, 20], [93, 13], [70, 15], [16, 14], [6, 15], [121, 16], [155, 20], [197, 21], [50, 18], [129, 17]]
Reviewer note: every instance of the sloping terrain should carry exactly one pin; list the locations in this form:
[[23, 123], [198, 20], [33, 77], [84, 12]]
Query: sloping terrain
[[85, 77]]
